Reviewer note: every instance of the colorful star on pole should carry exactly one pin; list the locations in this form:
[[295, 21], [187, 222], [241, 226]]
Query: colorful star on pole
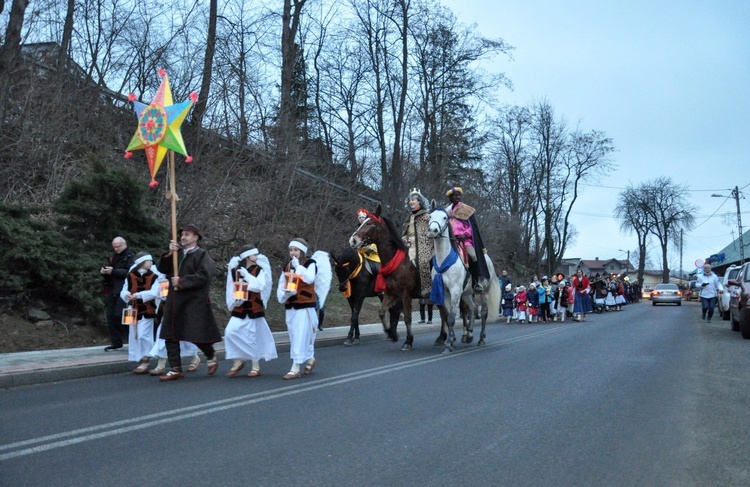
[[159, 127]]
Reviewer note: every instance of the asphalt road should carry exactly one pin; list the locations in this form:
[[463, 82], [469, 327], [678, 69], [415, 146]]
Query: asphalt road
[[650, 396]]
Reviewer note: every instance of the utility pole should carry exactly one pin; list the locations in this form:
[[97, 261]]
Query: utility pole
[[681, 274], [736, 194]]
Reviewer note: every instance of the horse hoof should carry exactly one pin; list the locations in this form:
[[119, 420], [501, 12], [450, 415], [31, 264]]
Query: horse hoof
[[481, 343], [348, 342], [469, 339], [439, 342], [406, 346], [447, 350], [463, 339], [392, 337], [356, 341]]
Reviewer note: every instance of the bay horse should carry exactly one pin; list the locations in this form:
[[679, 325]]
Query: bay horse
[[357, 282], [398, 278], [457, 293]]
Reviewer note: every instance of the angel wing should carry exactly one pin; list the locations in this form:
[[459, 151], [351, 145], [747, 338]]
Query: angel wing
[[323, 276], [265, 265]]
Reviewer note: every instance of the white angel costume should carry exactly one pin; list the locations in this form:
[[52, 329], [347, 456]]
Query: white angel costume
[[247, 335], [301, 314], [141, 335]]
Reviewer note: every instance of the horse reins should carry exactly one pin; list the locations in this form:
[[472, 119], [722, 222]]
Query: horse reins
[[348, 291]]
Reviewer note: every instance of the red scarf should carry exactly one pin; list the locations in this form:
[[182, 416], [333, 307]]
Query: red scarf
[[388, 269]]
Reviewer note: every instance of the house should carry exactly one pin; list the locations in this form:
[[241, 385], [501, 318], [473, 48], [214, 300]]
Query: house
[[606, 267], [730, 255]]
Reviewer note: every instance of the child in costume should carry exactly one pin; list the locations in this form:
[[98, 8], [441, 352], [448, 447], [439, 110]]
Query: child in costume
[[141, 291], [521, 304], [508, 300], [247, 335], [532, 299], [313, 281]]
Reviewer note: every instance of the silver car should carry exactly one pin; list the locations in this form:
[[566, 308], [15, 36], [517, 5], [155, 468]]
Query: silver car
[[666, 293]]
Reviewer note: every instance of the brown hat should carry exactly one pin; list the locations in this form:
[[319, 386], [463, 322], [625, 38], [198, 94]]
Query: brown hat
[[192, 228]]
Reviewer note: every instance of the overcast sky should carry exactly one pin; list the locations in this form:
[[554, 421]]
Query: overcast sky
[[667, 80]]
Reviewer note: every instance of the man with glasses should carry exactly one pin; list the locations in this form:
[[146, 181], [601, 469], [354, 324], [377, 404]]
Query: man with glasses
[[114, 277]]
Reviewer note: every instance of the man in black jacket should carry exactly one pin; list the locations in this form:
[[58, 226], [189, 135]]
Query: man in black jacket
[[114, 277], [187, 312]]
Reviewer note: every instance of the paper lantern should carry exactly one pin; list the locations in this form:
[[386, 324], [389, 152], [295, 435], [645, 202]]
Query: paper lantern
[[164, 289], [292, 281], [240, 290], [129, 316]]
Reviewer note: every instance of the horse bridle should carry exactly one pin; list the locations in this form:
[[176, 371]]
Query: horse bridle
[[365, 240], [443, 228]]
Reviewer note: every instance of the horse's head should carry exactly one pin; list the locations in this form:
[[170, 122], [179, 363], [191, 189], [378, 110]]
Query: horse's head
[[439, 222], [344, 265], [369, 231]]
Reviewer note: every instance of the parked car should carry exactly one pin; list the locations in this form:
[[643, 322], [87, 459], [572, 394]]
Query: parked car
[[666, 293], [739, 313], [646, 292], [694, 293], [723, 301]]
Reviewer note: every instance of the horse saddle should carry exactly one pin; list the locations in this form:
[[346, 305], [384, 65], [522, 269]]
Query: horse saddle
[[372, 267]]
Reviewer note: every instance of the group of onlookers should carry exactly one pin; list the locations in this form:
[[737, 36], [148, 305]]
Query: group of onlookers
[[558, 298]]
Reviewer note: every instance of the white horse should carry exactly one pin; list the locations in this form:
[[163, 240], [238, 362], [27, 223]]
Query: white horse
[[452, 284]]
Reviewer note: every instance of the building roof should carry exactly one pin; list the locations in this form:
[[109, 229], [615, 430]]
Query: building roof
[[732, 252]]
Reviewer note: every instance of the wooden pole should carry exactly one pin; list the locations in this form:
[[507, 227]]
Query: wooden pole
[[173, 198]]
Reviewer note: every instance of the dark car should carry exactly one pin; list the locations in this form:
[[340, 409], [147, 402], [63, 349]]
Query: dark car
[[739, 313]]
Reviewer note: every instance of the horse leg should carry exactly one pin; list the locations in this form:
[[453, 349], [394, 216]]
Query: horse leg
[[443, 335], [406, 304], [388, 327], [353, 325], [449, 316], [467, 314], [485, 312]]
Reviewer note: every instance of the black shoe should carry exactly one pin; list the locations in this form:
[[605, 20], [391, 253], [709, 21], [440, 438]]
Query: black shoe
[[112, 348]]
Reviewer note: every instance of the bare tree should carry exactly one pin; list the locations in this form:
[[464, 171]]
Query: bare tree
[[631, 211], [668, 208]]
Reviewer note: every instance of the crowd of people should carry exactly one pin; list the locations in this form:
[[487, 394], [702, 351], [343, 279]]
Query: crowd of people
[[175, 288], [557, 298], [179, 282]]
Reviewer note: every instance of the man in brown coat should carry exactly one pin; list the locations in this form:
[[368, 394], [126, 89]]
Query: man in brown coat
[[187, 313]]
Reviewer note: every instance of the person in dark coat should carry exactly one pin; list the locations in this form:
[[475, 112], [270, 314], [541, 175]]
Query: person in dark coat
[[114, 274], [187, 313]]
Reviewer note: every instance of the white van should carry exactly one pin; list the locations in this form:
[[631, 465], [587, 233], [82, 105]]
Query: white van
[[723, 301]]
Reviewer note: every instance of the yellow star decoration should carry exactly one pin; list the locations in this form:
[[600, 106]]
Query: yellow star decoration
[[159, 127]]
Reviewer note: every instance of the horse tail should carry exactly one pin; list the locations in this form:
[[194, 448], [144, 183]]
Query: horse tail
[[493, 295]]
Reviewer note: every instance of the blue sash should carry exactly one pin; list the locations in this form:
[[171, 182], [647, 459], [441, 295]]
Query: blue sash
[[437, 293]]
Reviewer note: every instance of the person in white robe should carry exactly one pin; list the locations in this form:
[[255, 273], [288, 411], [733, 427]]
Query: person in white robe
[[247, 335], [141, 287], [311, 280]]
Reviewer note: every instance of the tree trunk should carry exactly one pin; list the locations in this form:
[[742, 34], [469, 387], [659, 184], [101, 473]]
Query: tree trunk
[[67, 34], [199, 111], [11, 49]]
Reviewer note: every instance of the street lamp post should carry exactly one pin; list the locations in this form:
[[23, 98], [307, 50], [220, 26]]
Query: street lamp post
[[736, 196]]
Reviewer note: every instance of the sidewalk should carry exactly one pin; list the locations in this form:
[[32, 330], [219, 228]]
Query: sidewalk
[[27, 368]]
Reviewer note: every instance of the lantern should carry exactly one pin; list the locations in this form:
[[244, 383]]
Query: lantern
[[292, 281], [240, 290], [129, 316], [163, 289]]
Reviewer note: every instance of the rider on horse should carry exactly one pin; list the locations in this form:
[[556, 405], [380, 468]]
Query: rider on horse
[[370, 253], [415, 237], [467, 235]]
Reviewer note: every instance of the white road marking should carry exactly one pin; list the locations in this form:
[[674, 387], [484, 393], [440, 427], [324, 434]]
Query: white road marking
[[81, 435]]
